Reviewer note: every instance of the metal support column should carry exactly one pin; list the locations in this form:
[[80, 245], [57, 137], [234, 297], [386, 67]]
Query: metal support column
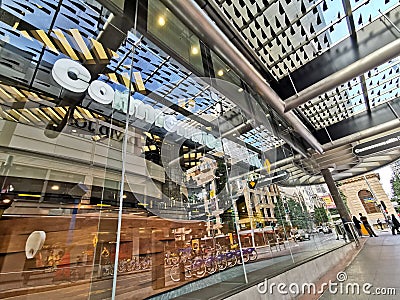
[[340, 206]]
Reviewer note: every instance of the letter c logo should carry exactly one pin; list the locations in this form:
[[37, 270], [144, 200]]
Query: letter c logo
[[71, 75]]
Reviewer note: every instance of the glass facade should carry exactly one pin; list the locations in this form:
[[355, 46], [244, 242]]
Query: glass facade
[[133, 159]]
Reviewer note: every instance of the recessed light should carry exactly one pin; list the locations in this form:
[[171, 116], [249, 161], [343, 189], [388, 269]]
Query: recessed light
[[55, 187], [161, 21], [220, 73], [195, 50]]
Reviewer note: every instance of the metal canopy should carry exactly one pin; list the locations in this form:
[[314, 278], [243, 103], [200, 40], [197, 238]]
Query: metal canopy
[[300, 43]]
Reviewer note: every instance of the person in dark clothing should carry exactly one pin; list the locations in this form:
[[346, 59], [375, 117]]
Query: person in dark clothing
[[364, 220], [357, 225], [395, 225], [379, 224]]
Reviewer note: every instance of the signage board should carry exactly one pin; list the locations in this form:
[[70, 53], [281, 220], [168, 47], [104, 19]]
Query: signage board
[[328, 201]]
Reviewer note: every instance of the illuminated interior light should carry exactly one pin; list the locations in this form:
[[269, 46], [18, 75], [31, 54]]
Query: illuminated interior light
[[55, 187], [124, 196], [34, 95], [85, 111], [153, 147], [6, 94], [113, 53], [240, 90], [29, 195], [18, 92], [25, 34], [99, 50], [53, 113], [20, 115], [9, 116], [125, 79], [161, 21], [78, 115], [112, 77], [61, 109], [220, 73], [27, 111], [139, 82], [63, 43], [145, 148], [43, 114], [42, 36], [195, 50], [81, 44]]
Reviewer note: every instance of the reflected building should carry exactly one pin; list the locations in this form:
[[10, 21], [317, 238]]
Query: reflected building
[[135, 159]]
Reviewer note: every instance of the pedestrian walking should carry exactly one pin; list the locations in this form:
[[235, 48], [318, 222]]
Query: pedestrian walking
[[357, 225], [395, 225], [379, 224], [364, 220]]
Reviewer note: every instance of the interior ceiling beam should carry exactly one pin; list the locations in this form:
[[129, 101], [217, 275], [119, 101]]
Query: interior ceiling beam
[[195, 18], [361, 66]]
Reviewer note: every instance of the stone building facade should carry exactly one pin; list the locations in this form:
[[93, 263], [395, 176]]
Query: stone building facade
[[364, 194]]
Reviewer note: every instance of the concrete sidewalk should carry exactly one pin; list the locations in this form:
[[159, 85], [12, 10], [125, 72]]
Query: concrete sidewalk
[[378, 264]]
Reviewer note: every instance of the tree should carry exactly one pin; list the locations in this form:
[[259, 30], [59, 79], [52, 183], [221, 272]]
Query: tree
[[280, 212], [395, 183], [298, 214], [320, 215]]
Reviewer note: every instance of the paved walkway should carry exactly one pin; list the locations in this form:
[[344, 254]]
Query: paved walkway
[[378, 264]]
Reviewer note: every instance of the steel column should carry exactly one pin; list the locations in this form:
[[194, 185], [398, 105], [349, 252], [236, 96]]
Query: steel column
[[335, 195]]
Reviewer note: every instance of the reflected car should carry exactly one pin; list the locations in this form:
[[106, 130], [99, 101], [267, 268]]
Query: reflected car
[[301, 235]]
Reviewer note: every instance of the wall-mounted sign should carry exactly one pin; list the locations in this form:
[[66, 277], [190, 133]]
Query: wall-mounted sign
[[76, 78], [378, 145], [328, 201]]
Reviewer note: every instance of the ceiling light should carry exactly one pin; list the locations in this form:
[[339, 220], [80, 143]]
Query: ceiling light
[[161, 21], [195, 50], [55, 187], [220, 73], [240, 90]]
